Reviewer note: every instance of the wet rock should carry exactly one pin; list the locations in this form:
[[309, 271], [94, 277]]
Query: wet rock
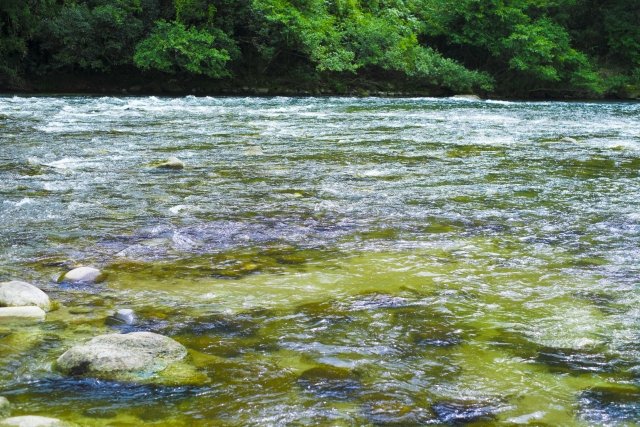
[[516, 343], [17, 294], [82, 275], [125, 315], [253, 150], [172, 163], [426, 327], [574, 361], [437, 337], [28, 313], [462, 412], [112, 355], [5, 407], [556, 359], [380, 409], [330, 382], [468, 96], [377, 301], [240, 325], [32, 421], [611, 405]]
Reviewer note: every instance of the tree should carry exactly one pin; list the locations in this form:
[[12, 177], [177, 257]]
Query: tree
[[96, 35], [172, 47], [18, 23]]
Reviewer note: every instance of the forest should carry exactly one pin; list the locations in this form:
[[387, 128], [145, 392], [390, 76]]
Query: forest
[[502, 48]]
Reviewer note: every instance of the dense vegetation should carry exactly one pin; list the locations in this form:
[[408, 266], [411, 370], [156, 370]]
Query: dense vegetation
[[507, 47]]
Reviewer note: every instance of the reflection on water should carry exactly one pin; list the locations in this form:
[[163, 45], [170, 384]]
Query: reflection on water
[[330, 261]]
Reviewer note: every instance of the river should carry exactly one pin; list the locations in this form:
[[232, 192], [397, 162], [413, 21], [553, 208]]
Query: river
[[330, 261]]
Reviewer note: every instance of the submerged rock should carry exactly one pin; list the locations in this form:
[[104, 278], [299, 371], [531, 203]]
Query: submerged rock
[[82, 275], [32, 421], [110, 356], [125, 315], [5, 407], [575, 360], [31, 312], [615, 404], [462, 412], [18, 294], [330, 382], [172, 163], [395, 409]]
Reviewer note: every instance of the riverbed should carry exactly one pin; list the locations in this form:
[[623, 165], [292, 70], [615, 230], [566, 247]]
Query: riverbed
[[329, 261]]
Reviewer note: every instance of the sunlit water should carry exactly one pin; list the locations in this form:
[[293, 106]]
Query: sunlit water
[[330, 261]]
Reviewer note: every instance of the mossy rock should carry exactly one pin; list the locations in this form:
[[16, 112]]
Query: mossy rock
[[138, 356]]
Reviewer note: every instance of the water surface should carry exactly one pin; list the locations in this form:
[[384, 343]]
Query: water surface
[[330, 261]]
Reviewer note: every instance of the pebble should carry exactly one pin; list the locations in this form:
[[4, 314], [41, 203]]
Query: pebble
[[82, 275]]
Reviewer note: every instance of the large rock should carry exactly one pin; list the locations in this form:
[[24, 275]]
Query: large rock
[[32, 421], [5, 407], [112, 355], [82, 275], [28, 313], [17, 294]]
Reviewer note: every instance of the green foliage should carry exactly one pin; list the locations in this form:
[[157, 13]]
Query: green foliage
[[171, 47], [194, 11], [18, 22], [96, 35], [518, 40], [515, 47], [622, 28], [542, 50], [347, 36]]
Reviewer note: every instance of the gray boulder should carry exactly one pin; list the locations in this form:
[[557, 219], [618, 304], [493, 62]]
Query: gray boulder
[[28, 313], [17, 294], [112, 355], [5, 407], [32, 421], [82, 275]]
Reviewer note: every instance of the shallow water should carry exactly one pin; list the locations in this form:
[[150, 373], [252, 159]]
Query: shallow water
[[330, 261]]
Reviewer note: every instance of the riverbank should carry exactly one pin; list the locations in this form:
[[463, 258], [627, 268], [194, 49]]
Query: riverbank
[[133, 82]]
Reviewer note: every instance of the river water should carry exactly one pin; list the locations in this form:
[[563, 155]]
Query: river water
[[330, 261]]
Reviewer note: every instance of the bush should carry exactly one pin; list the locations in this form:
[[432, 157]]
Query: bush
[[171, 47]]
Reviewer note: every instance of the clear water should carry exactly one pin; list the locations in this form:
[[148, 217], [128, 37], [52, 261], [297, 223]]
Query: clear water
[[330, 261]]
